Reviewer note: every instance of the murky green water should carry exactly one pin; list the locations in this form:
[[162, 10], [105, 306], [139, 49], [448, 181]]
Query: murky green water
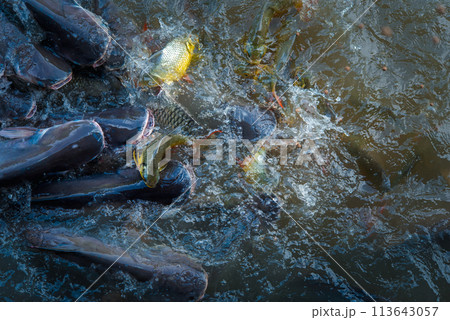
[[395, 245]]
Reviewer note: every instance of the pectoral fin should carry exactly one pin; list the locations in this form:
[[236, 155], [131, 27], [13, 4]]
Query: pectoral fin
[[18, 133]]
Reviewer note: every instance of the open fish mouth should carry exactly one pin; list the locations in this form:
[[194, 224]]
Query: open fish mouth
[[105, 54], [61, 83]]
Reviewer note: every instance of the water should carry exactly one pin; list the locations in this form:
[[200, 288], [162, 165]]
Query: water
[[395, 245]]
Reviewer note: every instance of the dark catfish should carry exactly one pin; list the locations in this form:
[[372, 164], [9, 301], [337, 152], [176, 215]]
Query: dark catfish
[[123, 29], [74, 33], [368, 166], [30, 62], [14, 103], [251, 123], [173, 274], [34, 152], [122, 125], [176, 184]]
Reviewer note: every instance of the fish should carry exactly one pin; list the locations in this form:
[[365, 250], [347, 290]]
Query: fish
[[73, 32], [254, 166], [15, 104], [256, 44], [30, 62], [169, 273], [149, 158], [250, 123], [171, 63], [127, 124], [34, 152], [170, 117], [124, 125], [176, 184], [122, 27], [368, 166]]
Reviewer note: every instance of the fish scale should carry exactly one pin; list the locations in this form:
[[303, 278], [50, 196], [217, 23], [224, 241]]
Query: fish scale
[[170, 64], [172, 117]]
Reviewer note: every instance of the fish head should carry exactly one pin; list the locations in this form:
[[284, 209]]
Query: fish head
[[189, 284], [192, 41], [183, 277], [36, 65]]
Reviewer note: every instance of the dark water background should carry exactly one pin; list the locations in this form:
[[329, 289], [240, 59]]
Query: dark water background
[[394, 245]]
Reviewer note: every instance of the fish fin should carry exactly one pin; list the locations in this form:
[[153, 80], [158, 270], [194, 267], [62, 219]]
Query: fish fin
[[187, 78], [18, 132], [137, 159], [213, 133], [277, 98]]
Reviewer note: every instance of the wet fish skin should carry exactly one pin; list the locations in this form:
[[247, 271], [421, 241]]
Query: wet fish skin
[[176, 183], [148, 159], [123, 124], [172, 117], [54, 149], [171, 63], [168, 271], [368, 166], [30, 62], [251, 123], [75, 33], [122, 27]]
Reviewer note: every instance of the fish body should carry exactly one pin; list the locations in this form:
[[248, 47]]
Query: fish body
[[170, 118], [251, 123], [149, 160], [59, 148], [171, 273], [171, 63], [256, 45], [30, 62], [367, 164], [176, 184], [122, 125], [254, 166], [74, 33], [123, 28]]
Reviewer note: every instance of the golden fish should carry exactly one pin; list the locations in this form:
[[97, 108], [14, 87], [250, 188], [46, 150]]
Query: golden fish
[[171, 63], [254, 167], [149, 160]]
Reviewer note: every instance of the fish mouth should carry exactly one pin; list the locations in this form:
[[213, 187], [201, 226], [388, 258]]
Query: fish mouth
[[202, 294], [147, 128], [62, 83], [149, 125], [105, 54], [102, 135], [32, 111]]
